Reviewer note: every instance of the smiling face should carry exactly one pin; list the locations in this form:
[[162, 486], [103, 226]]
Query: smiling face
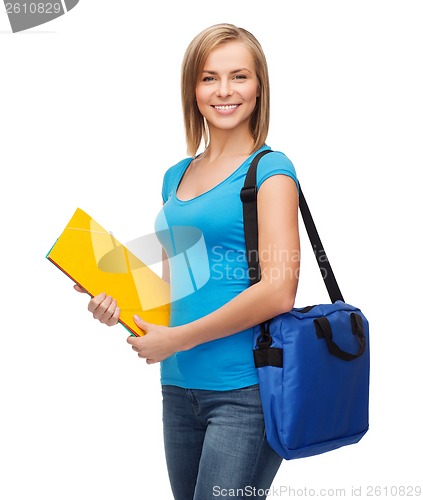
[[228, 88]]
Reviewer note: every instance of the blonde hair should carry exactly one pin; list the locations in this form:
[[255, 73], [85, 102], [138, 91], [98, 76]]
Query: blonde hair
[[192, 66]]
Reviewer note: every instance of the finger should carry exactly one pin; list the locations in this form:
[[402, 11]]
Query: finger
[[102, 309], [96, 301], [134, 342], [109, 313], [150, 361], [79, 289], [131, 339], [135, 346], [115, 317], [105, 309], [107, 317], [143, 325]]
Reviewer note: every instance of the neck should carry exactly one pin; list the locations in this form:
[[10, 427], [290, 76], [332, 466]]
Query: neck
[[228, 143]]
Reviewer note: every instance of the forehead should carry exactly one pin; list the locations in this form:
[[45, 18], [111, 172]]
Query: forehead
[[230, 56]]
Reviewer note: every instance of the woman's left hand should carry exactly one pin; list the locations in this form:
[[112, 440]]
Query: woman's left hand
[[158, 344]]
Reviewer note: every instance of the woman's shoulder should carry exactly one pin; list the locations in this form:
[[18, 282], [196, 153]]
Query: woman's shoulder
[[274, 163], [177, 167], [277, 158], [173, 175]]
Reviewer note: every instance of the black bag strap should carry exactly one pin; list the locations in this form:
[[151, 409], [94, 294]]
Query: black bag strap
[[324, 330], [249, 201]]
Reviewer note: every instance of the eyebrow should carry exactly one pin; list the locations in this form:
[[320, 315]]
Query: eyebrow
[[234, 71]]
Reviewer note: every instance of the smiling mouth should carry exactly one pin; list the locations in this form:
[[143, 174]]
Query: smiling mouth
[[226, 107]]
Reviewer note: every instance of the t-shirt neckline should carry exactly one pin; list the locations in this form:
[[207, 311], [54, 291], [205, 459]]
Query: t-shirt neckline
[[223, 181]]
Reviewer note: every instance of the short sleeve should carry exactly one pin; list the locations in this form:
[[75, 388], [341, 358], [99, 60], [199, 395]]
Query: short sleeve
[[275, 163], [172, 178], [165, 187]]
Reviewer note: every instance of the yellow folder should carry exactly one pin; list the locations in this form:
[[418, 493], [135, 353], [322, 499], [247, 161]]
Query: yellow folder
[[96, 261]]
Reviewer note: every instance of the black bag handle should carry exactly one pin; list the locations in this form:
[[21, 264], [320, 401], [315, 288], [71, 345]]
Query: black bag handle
[[324, 330], [249, 201]]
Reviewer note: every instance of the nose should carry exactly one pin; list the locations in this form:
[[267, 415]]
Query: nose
[[224, 89]]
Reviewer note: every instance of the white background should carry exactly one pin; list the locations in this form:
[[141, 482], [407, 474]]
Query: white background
[[90, 117]]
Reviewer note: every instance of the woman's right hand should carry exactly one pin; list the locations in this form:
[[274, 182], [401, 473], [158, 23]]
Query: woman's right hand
[[103, 307]]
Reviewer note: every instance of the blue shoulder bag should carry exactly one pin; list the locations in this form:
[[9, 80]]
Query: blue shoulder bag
[[313, 362]]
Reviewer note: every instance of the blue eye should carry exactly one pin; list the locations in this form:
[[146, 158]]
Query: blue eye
[[208, 79], [240, 77]]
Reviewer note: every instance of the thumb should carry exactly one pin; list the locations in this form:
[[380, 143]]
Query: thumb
[[143, 325]]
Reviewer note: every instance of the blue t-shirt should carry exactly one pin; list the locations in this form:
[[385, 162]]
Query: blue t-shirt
[[204, 241]]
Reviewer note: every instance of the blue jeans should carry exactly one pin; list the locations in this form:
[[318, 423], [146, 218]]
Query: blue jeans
[[216, 445]]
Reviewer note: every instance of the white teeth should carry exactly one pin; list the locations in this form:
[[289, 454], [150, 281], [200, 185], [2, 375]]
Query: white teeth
[[229, 106]]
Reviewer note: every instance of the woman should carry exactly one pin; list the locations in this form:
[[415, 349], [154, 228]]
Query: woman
[[213, 423]]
